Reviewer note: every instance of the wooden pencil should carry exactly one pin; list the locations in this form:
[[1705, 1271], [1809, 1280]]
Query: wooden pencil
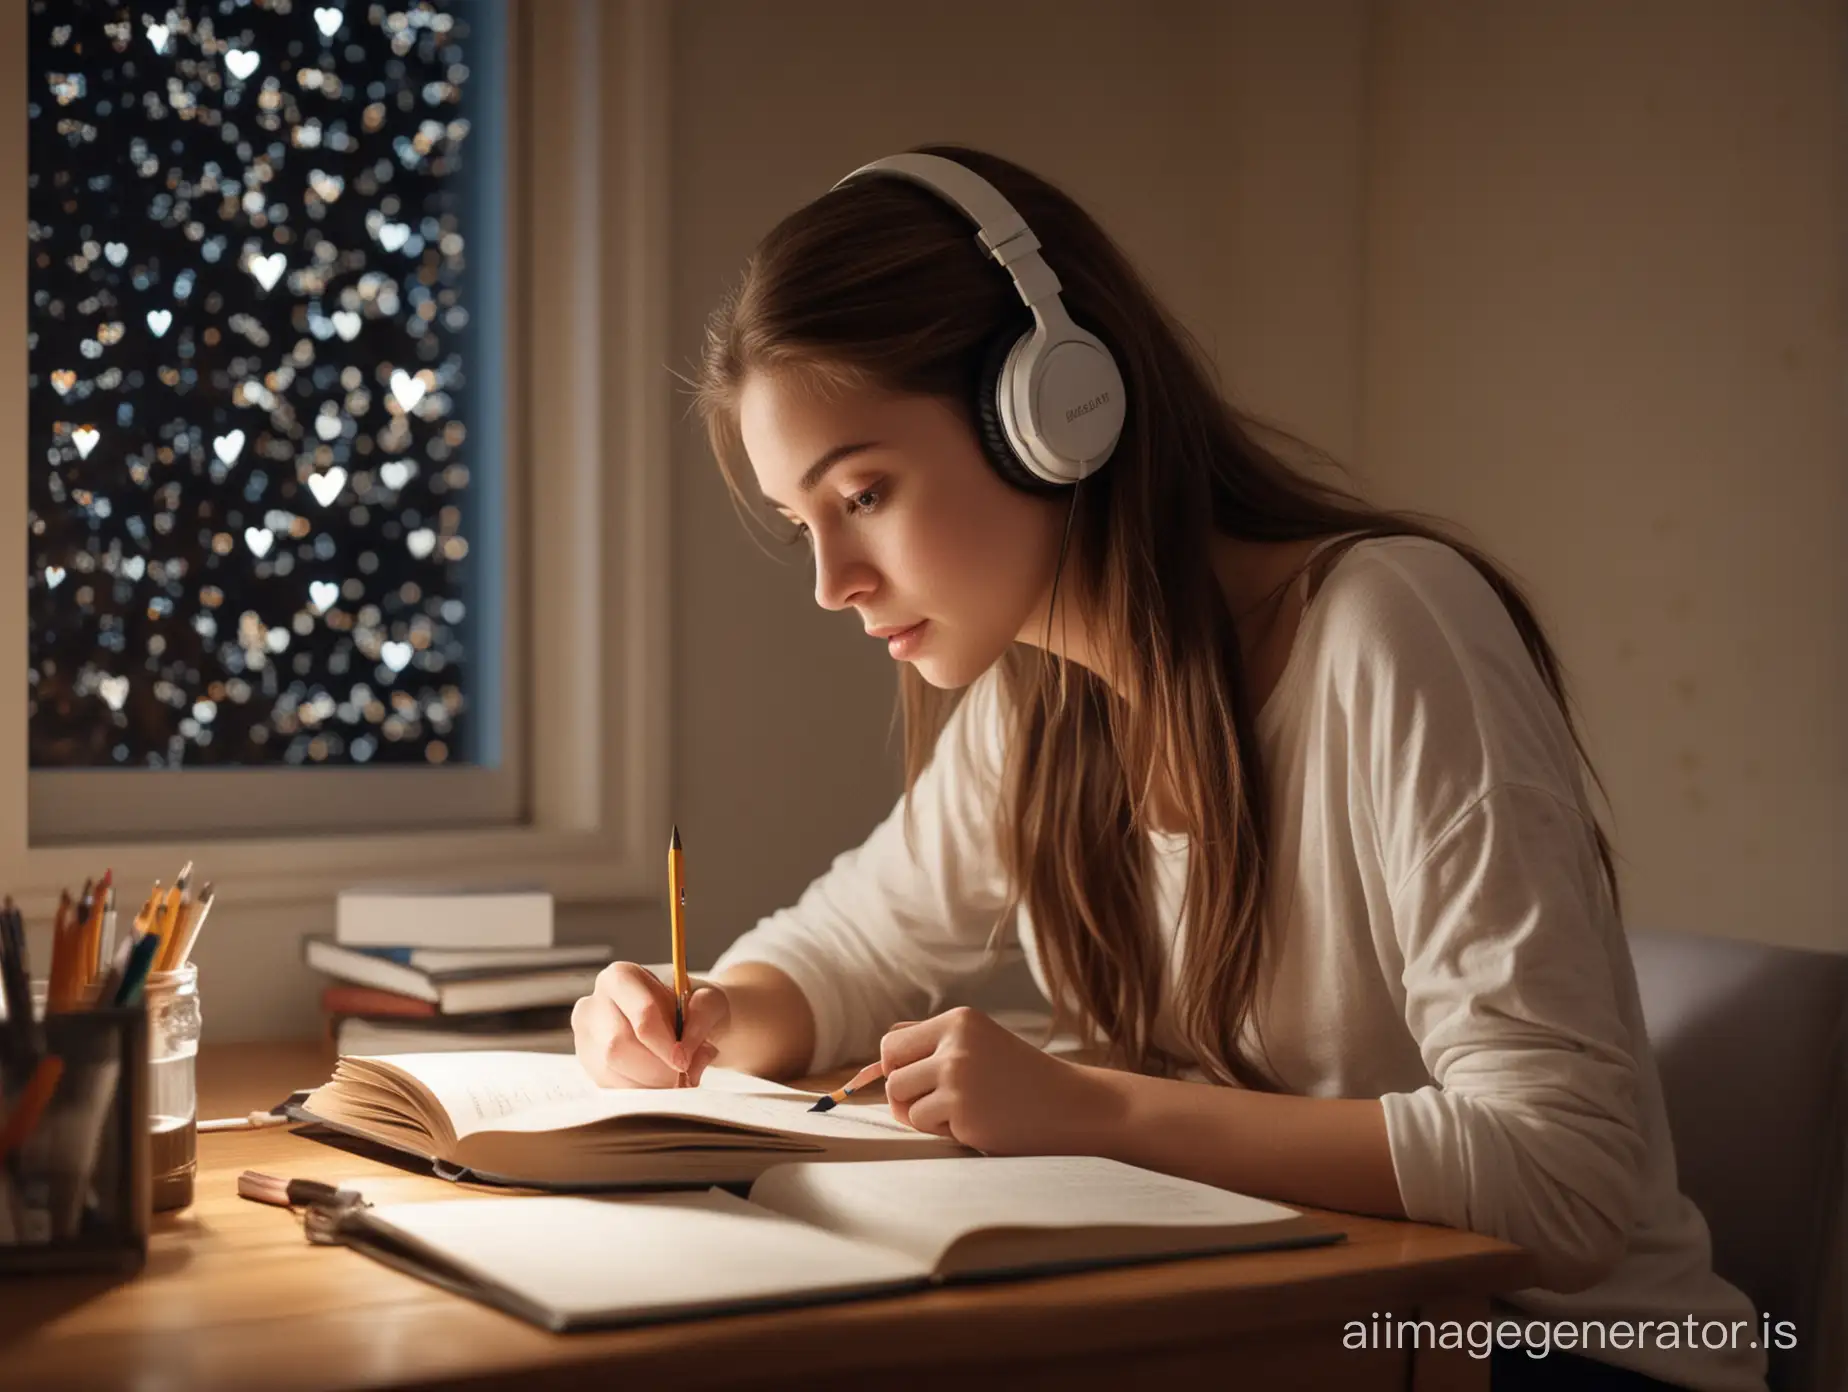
[[191, 926], [676, 910], [63, 954]]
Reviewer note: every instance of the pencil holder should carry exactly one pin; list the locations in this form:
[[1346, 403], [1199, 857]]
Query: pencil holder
[[172, 999], [75, 1195]]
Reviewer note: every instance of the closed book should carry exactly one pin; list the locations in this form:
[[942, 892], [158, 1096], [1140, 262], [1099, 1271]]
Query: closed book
[[482, 1023], [370, 1000], [456, 959], [459, 990], [400, 918], [535, 1031]]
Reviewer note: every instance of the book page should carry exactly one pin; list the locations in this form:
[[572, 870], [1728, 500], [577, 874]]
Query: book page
[[478, 1089], [742, 1102], [579, 1261], [924, 1206]]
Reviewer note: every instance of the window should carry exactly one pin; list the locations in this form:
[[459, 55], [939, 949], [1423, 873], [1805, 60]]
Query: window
[[331, 314], [264, 383]]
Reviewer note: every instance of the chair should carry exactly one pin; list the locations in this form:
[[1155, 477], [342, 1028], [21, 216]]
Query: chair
[[1752, 1046]]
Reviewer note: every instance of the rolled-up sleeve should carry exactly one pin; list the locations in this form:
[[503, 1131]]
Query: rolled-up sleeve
[[897, 921], [1530, 1130]]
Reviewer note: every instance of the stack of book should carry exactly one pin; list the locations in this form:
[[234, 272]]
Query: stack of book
[[428, 973]]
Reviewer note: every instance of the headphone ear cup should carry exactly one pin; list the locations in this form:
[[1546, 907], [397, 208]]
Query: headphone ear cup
[[988, 427]]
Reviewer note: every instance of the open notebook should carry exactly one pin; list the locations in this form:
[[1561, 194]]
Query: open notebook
[[536, 1119], [811, 1233]]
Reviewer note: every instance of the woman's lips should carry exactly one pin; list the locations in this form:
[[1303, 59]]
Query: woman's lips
[[905, 642]]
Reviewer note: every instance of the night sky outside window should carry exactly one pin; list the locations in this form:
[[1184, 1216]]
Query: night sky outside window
[[266, 385]]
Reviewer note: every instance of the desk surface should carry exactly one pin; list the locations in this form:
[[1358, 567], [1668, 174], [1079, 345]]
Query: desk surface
[[234, 1297]]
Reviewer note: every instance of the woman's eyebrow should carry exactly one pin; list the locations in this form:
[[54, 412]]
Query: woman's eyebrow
[[819, 469]]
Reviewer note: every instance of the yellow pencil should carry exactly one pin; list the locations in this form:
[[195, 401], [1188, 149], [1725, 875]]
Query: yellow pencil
[[170, 911], [91, 956], [146, 916], [148, 919], [676, 912], [63, 954], [173, 927]]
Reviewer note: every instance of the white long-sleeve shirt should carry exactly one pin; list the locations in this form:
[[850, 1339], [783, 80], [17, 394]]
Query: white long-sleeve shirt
[[1443, 940]]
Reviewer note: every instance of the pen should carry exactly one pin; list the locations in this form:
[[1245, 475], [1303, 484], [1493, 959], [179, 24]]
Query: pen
[[676, 911], [135, 973], [109, 980], [872, 1073]]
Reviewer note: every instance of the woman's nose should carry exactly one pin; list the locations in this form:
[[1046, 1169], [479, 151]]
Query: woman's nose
[[841, 577]]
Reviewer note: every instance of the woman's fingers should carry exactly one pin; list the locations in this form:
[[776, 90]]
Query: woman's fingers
[[708, 1011], [646, 1004], [930, 1113], [907, 1086], [593, 1028], [639, 1065], [912, 1081], [906, 1042], [701, 1060], [608, 1049]]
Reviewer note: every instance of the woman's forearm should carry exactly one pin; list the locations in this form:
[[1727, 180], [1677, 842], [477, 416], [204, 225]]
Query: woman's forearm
[[1326, 1152], [771, 1032]]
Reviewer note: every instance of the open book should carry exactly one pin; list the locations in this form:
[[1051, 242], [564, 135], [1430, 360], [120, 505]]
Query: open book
[[536, 1119], [811, 1233]]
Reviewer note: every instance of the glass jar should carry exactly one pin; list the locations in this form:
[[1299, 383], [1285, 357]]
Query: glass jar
[[173, 1096]]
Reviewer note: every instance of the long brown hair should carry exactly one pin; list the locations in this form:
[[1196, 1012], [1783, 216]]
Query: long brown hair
[[880, 284]]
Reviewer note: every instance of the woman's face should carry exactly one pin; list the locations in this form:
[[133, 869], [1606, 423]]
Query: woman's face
[[910, 526]]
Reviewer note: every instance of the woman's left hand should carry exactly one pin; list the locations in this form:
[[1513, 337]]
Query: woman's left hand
[[959, 1074]]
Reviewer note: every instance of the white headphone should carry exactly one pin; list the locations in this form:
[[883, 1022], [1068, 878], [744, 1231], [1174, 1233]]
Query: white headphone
[[1050, 403]]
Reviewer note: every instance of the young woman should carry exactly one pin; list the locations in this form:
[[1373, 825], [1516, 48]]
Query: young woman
[[1279, 793]]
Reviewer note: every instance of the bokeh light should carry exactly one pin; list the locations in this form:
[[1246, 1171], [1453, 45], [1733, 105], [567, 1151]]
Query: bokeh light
[[255, 442]]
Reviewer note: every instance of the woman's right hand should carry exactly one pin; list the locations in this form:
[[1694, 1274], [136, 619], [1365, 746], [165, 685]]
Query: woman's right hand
[[624, 1029]]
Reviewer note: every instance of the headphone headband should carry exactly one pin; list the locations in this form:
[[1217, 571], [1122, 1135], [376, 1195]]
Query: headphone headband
[[1055, 407], [1002, 232]]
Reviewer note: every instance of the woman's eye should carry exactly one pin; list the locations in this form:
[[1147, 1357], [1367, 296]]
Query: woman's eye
[[864, 501]]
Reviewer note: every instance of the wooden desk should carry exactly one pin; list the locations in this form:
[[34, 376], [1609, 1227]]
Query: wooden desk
[[233, 1297]]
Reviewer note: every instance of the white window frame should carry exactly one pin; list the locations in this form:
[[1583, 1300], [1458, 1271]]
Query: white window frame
[[586, 529]]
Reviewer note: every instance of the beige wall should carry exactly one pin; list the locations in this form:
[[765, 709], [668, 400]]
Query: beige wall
[[1570, 274], [1605, 314]]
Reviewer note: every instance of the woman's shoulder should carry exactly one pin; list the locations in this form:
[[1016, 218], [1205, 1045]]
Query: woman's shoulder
[[1420, 653], [1385, 593]]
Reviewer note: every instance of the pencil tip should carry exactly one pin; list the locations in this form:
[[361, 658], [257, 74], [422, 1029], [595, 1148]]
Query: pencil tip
[[825, 1105], [674, 845]]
